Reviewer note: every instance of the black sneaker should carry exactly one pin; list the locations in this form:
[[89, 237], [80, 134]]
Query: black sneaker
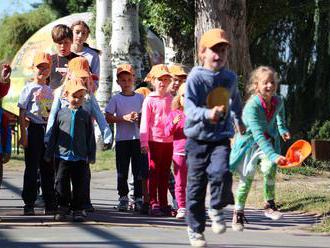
[[29, 210], [123, 204], [238, 221], [61, 214], [78, 216]]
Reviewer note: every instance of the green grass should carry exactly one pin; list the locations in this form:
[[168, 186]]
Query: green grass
[[105, 160], [323, 227]]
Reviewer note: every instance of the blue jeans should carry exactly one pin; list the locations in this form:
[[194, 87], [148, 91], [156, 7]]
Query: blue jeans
[[207, 162]]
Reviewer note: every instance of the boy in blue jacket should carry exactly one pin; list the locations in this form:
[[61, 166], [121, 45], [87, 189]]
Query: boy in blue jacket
[[208, 128]]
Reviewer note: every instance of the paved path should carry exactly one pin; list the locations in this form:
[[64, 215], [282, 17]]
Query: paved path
[[109, 228]]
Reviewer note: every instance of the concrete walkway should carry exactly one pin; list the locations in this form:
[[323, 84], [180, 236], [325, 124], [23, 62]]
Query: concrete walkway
[[108, 228]]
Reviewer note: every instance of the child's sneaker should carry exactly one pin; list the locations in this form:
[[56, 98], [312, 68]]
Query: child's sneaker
[[271, 211], [168, 211], [181, 213], [145, 208], [78, 216], [61, 214], [218, 220], [238, 221], [155, 210], [123, 204], [196, 239], [138, 203], [28, 210]]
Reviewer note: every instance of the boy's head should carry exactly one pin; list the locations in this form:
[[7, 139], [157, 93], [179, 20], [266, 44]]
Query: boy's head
[[75, 91], [125, 78], [79, 67], [62, 37], [213, 49], [41, 65]]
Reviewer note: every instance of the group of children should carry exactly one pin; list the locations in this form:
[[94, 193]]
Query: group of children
[[186, 120]]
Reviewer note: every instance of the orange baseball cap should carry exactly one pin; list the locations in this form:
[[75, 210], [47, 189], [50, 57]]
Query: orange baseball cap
[[159, 70], [177, 70], [41, 58], [73, 85], [213, 37], [79, 67], [125, 68], [297, 153], [143, 91]]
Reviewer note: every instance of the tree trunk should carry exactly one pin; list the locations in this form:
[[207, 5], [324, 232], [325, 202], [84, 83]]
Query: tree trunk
[[229, 15], [169, 51], [125, 41], [103, 19]]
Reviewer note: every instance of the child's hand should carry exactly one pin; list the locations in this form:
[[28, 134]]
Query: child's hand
[[241, 128], [177, 119], [144, 149], [131, 117], [286, 136], [281, 160], [216, 114], [23, 141], [5, 158], [5, 72]]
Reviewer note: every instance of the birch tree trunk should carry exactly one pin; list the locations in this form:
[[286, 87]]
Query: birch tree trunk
[[125, 40], [229, 15], [103, 20]]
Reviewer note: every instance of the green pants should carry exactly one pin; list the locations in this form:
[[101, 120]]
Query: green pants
[[269, 174]]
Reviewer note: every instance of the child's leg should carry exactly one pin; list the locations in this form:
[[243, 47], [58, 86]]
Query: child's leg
[[180, 173], [33, 155], [164, 172], [136, 168], [219, 176], [154, 154], [47, 175], [78, 174], [123, 156], [197, 161], [62, 184], [269, 172], [171, 185]]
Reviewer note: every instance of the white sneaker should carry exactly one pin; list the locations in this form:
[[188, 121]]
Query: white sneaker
[[273, 214], [218, 220], [238, 221], [181, 213], [196, 239]]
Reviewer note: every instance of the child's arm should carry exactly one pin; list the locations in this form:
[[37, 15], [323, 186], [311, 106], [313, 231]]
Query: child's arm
[[23, 126], [51, 145], [280, 120], [236, 113], [91, 142], [101, 121], [144, 127], [56, 106], [171, 123]]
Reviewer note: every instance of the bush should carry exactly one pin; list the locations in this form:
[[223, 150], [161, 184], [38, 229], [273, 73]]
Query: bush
[[320, 130]]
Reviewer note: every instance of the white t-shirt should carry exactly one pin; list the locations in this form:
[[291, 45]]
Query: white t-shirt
[[120, 105]]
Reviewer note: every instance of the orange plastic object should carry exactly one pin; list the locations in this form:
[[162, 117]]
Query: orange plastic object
[[297, 153]]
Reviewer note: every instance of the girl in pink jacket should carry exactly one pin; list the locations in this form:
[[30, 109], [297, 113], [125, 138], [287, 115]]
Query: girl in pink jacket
[[174, 126], [155, 110]]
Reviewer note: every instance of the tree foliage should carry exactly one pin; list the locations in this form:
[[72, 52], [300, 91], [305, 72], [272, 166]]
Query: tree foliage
[[66, 7], [16, 29]]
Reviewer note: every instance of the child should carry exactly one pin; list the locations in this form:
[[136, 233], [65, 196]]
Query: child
[[79, 68], [179, 77], [208, 129], [174, 126], [79, 46], [72, 142], [33, 105], [5, 131], [62, 37], [124, 110], [155, 110], [260, 145]]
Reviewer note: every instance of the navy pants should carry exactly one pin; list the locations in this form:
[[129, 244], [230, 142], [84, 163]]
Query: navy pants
[[128, 151], [34, 160], [208, 162]]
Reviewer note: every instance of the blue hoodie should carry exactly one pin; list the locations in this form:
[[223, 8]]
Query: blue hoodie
[[200, 83]]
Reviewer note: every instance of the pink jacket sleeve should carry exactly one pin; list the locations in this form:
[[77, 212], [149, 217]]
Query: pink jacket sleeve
[[145, 121], [170, 127]]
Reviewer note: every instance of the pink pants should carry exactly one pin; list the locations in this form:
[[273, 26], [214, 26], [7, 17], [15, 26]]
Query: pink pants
[[180, 175], [160, 156]]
